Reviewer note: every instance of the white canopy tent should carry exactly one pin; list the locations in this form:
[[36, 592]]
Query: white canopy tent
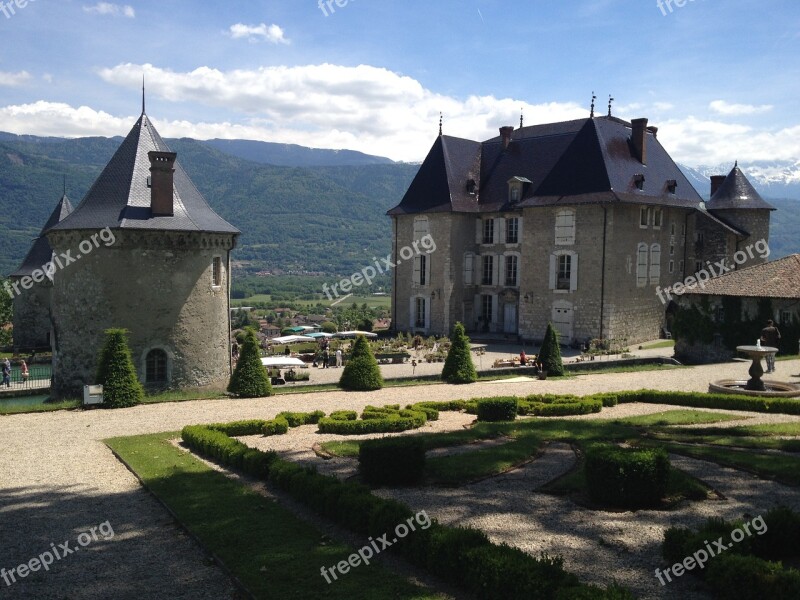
[[282, 362], [291, 339], [352, 334]]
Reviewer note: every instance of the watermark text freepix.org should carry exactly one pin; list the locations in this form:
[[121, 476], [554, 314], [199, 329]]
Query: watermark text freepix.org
[[8, 7], [329, 4], [666, 5], [701, 557], [48, 557], [384, 265], [702, 276], [60, 261], [364, 554]]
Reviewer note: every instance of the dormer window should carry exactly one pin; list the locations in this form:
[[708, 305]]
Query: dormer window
[[638, 181], [671, 185], [514, 194], [471, 186], [516, 186]]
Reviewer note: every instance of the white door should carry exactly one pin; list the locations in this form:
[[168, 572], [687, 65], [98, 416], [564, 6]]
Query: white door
[[510, 318], [563, 317]]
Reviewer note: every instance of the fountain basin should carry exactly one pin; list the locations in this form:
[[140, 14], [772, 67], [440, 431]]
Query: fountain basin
[[772, 389]]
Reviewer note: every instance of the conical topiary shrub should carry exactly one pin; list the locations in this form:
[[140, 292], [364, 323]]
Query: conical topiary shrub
[[116, 373], [361, 373], [550, 353], [250, 378], [458, 366]]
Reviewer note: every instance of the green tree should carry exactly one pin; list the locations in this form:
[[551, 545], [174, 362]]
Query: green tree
[[250, 378], [361, 373], [116, 373], [328, 327], [6, 314], [550, 353], [458, 366]]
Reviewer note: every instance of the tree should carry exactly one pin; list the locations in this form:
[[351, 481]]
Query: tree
[[458, 366], [328, 327], [550, 353], [250, 378], [6, 314], [361, 373], [116, 373]]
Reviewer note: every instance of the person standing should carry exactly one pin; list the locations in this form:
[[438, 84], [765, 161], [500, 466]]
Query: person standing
[[23, 370], [325, 358], [522, 358], [7, 373], [770, 336], [338, 357]]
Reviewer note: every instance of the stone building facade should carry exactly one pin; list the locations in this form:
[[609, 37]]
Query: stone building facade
[[587, 224], [143, 251]]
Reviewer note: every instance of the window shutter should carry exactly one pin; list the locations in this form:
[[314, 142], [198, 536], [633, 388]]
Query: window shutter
[[573, 275], [417, 269], [499, 231], [478, 231], [412, 317], [641, 265], [469, 267], [553, 270], [427, 313], [495, 270], [501, 266], [495, 318], [655, 263]]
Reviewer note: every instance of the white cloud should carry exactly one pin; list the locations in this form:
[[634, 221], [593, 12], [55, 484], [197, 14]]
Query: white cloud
[[253, 33], [725, 108], [13, 79], [114, 10]]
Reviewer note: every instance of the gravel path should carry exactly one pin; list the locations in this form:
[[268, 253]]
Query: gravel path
[[57, 479]]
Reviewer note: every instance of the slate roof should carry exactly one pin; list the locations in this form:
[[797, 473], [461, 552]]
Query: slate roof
[[120, 197], [737, 192], [776, 279], [572, 162], [41, 252]]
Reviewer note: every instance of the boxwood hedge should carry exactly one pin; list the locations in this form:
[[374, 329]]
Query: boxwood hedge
[[502, 408], [392, 461], [626, 477]]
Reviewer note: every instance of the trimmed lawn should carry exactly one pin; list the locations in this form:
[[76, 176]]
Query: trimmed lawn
[[680, 417]]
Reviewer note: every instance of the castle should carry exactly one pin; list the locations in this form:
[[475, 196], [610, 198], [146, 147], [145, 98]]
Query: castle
[[579, 223], [142, 251]]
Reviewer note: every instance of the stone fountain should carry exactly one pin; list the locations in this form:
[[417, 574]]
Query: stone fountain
[[755, 386]]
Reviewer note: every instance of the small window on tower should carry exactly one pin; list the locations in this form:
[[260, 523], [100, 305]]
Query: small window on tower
[[216, 271]]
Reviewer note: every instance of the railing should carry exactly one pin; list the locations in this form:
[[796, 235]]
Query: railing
[[39, 377]]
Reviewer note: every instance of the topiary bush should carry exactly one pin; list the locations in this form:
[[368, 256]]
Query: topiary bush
[[277, 426], [343, 415], [550, 353], [250, 378], [789, 406], [116, 373], [626, 477], [564, 409], [295, 419], [239, 428], [458, 366], [392, 461], [361, 373], [390, 423], [503, 408]]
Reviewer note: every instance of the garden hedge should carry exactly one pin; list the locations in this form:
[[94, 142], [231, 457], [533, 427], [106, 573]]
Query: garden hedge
[[343, 415], [295, 419], [458, 366], [626, 477], [392, 461], [116, 373], [502, 408], [789, 406]]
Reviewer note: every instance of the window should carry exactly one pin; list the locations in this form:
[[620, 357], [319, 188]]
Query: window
[[699, 237], [641, 265], [216, 271], [672, 185], [511, 270], [719, 314], [658, 217], [469, 268], [786, 318], [644, 217], [421, 270], [486, 309], [680, 266], [698, 266], [672, 266], [672, 250], [419, 312], [156, 366], [488, 270], [488, 231], [638, 181], [565, 227], [672, 229], [512, 230], [514, 194], [564, 276], [655, 264]]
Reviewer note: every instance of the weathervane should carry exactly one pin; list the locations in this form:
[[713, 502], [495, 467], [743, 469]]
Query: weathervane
[[591, 114], [610, 100], [521, 112], [440, 123]]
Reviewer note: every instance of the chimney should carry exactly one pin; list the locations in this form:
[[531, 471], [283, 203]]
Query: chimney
[[162, 168], [716, 181], [654, 130], [639, 139], [505, 133]]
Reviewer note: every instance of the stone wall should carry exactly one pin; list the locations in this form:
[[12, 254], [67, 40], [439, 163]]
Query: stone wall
[[32, 317]]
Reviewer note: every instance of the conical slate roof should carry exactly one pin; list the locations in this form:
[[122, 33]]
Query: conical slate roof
[[120, 197], [737, 192], [41, 252]]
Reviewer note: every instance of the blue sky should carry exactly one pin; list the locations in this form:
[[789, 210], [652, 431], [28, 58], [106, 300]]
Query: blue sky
[[720, 79]]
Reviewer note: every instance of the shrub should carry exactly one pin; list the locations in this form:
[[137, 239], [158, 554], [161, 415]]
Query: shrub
[[448, 548], [608, 400], [403, 421], [551, 398], [217, 445], [392, 461], [563, 409], [497, 409], [782, 536], [550, 353], [250, 378], [626, 477], [295, 419], [750, 578], [116, 373], [361, 373], [458, 366], [446, 405], [343, 415], [789, 406], [238, 428], [277, 426]]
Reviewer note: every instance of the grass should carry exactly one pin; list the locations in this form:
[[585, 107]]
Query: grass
[[659, 344], [272, 552], [10, 409], [182, 396], [679, 417], [629, 369]]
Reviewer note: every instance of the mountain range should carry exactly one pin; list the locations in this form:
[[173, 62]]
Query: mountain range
[[300, 210]]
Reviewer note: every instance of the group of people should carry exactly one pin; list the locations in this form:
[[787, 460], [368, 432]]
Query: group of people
[[23, 371], [322, 359]]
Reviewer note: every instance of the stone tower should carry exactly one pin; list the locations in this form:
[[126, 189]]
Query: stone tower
[[145, 252]]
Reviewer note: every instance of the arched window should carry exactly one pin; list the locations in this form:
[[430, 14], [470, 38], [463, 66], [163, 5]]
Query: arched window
[[156, 366]]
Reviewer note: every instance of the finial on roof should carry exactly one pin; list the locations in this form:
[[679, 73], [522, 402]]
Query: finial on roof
[[591, 113], [142, 93], [610, 100], [521, 114], [736, 164], [440, 124], [65, 185]]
